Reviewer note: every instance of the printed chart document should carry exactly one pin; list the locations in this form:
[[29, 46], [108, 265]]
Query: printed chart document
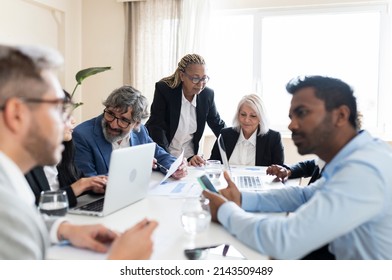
[[175, 188]]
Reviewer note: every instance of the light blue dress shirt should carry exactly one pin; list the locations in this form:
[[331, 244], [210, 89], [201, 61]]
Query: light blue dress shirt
[[349, 207]]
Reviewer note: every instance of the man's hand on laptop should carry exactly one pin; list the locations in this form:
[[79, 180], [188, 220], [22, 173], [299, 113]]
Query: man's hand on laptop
[[181, 171]]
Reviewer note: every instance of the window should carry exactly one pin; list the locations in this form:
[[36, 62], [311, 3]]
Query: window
[[261, 51], [230, 63]]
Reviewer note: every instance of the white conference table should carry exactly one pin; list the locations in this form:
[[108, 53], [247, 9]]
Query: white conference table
[[169, 238]]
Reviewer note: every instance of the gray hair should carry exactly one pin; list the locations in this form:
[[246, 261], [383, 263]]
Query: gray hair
[[174, 80], [255, 102], [21, 68], [128, 97]]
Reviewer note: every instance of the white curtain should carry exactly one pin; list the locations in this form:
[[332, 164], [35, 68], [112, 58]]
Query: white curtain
[[151, 46], [158, 34], [194, 26]]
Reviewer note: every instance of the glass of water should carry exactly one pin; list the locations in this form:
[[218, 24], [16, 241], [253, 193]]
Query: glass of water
[[53, 204], [213, 169], [195, 215]]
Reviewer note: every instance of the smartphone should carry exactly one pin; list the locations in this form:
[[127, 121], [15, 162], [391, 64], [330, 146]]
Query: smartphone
[[214, 252], [206, 183]]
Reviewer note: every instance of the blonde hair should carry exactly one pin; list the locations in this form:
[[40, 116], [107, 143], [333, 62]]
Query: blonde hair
[[174, 80], [255, 102]]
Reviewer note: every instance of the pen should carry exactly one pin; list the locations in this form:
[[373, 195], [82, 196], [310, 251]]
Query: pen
[[162, 167]]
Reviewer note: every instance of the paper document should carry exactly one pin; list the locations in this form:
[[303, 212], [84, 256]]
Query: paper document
[[174, 166], [174, 188], [177, 189]]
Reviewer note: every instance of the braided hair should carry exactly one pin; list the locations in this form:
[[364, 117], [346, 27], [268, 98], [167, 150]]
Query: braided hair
[[174, 80]]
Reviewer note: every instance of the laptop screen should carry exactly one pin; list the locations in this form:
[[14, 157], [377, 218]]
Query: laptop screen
[[222, 150]]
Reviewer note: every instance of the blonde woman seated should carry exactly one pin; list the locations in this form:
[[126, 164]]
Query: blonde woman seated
[[250, 141]]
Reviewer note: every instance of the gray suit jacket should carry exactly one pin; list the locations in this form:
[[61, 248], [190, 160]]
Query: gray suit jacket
[[23, 233]]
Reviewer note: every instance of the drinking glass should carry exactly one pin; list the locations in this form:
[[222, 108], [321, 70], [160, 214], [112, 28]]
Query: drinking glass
[[53, 204], [213, 169], [195, 215]]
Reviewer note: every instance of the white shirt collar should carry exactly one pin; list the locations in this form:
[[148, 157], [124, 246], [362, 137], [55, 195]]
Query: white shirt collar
[[51, 173], [251, 140], [124, 143], [320, 163], [193, 102]]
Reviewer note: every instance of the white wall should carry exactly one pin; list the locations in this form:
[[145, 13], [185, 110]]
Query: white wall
[[54, 23], [94, 39], [103, 30], [25, 22]]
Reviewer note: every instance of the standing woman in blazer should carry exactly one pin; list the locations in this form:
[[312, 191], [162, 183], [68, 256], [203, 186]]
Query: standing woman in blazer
[[250, 141], [181, 107]]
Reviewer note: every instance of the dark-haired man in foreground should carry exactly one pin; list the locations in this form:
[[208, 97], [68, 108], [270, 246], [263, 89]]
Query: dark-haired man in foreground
[[349, 207]]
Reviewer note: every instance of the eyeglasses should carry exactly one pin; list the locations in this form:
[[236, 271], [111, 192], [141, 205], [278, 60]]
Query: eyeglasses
[[197, 80], [64, 105], [121, 122]]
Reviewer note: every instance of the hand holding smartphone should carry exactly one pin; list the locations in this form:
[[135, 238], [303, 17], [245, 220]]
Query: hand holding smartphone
[[206, 184]]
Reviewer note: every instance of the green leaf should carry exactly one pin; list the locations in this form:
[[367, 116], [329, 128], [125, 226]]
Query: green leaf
[[83, 74], [76, 105]]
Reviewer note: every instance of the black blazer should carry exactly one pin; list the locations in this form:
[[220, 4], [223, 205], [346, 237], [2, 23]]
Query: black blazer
[[305, 169], [269, 147], [165, 115], [38, 183]]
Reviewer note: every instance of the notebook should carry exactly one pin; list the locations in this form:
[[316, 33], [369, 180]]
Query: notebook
[[243, 182], [128, 180]]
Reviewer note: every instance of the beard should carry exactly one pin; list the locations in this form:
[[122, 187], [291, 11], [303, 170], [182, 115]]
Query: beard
[[112, 134], [314, 141], [43, 150]]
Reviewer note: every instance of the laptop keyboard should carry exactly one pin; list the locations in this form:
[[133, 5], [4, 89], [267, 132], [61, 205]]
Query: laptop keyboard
[[250, 182], [95, 206]]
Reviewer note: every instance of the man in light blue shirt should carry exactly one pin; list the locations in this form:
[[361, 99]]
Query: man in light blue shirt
[[349, 207]]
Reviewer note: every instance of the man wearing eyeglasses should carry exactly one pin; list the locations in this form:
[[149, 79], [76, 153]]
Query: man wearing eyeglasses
[[181, 108], [117, 127], [33, 111]]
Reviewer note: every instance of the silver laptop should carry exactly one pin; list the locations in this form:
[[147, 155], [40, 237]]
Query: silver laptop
[[128, 180], [243, 182]]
